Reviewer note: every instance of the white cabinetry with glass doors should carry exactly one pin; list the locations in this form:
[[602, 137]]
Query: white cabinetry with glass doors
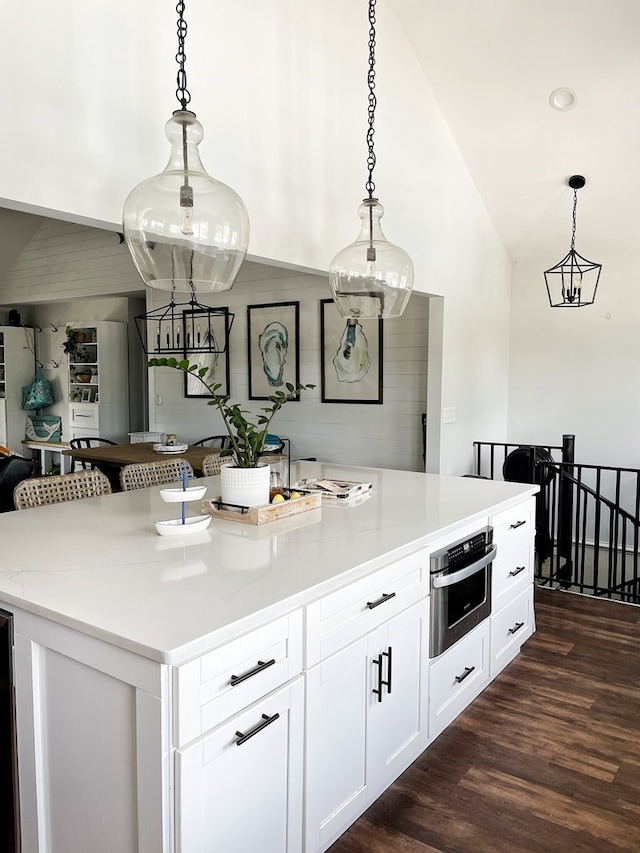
[[99, 381], [17, 368]]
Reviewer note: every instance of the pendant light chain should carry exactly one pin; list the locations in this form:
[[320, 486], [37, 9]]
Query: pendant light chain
[[182, 93], [184, 96], [573, 227], [371, 111]]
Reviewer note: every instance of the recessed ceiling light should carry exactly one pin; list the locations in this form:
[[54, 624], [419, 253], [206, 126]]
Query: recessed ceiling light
[[563, 99]]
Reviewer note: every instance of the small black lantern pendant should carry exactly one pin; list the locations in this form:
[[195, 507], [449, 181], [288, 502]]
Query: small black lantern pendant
[[573, 281]]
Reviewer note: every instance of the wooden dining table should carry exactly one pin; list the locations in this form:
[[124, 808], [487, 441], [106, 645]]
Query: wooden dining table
[[116, 456]]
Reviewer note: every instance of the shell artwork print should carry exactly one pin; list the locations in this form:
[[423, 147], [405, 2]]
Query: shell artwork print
[[352, 360], [273, 343]]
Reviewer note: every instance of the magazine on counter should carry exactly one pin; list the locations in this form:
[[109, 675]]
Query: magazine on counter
[[338, 489]]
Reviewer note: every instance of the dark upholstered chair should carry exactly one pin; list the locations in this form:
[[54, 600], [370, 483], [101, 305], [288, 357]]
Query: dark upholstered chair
[[13, 470]]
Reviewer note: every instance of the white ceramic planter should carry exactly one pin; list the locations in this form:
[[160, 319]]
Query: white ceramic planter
[[245, 486]]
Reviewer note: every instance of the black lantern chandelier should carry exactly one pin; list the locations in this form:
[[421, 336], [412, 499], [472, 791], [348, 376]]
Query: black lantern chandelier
[[573, 281], [371, 278], [186, 231]]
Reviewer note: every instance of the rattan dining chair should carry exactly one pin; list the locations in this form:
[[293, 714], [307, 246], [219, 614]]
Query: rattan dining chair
[[212, 463], [39, 491], [140, 475]]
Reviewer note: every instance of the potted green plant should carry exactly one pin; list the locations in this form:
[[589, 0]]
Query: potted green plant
[[247, 436], [74, 337]]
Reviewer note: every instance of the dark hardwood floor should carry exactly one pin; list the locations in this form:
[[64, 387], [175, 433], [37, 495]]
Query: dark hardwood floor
[[546, 760]]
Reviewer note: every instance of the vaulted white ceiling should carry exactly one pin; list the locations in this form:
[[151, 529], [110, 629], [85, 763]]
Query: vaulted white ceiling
[[492, 65]]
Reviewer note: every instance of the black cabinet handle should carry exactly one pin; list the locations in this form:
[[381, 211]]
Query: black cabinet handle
[[387, 683], [266, 721], [378, 690], [237, 679], [516, 525], [517, 571], [516, 627], [385, 597], [467, 671]]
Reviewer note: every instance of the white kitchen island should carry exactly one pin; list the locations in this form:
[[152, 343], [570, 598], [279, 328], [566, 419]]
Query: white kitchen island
[[179, 694]]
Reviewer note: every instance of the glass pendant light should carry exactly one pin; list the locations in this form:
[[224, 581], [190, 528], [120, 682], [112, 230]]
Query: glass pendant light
[[186, 231], [573, 281], [371, 278]]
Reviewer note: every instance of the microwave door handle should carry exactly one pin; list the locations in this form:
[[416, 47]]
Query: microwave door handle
[[455, 577]]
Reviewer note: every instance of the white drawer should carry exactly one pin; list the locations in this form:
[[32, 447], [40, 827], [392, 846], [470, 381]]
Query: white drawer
[[509, 629], [351, 612], [512, 573], [513, 524], [457, 677], [84, 415], [222, 682]]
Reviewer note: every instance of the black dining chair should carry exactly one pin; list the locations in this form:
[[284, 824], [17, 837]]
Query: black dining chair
[[221, 441], [90, 441]]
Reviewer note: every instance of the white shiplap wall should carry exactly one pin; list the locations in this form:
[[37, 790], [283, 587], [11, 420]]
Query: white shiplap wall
[[388, 435], [68, 261]]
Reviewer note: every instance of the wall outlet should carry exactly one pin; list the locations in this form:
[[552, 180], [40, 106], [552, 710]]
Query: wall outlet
[[449, 415]]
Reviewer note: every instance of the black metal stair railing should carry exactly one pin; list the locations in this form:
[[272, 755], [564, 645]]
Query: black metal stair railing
[[587, 519]]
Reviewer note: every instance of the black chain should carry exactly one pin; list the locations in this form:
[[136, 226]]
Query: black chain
[[182, 93], [573, 229], [371, 110]]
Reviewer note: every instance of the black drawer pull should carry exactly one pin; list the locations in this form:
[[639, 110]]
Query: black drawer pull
[[517, 571], [516, 627], [266, 721], [237, 679], [467, 671], [517, 524], [385, 597]]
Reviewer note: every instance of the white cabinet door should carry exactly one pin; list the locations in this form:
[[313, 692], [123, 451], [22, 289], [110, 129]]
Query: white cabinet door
[[336, 750], [239, 788], [397, 721], [366, 712]]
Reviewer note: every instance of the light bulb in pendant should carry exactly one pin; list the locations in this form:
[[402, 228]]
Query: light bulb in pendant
[[186, 210]]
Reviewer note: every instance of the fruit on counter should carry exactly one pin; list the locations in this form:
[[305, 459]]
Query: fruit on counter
[[294, 495], [277, 499]]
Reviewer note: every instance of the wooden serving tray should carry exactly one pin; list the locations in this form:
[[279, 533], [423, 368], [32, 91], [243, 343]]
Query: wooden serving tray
[[261, 514]]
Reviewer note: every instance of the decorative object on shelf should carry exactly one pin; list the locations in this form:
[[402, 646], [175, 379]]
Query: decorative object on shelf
[[273, 344], [211, 332], [350, 358], [183, 525], [247, 438], [186, 231], [573, 281], [371, 278], [166, 330]]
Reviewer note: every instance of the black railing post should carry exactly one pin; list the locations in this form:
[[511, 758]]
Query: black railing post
[[565, 507]]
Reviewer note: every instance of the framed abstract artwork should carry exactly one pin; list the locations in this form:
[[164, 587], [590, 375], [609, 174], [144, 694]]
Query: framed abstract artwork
[[212, 329], [273, 348], [350, 357]]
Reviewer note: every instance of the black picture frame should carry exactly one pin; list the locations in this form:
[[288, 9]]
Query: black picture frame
[[345, 379], [218, 325], [273, 348]]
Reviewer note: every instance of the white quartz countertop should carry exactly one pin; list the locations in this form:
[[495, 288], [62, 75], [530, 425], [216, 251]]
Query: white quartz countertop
[[98, 565]]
